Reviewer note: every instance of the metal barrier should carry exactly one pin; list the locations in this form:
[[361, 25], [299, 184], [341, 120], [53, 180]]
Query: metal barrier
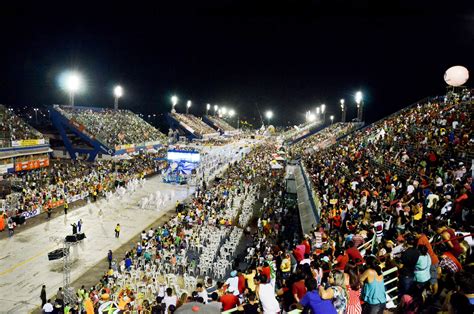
[[391, 286]]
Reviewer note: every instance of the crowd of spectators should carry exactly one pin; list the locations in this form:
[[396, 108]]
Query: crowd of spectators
[[221, 124], [324, 138], [63, 180], [13, 128], [398, 184], [114, 127], [394, 198], [164, 245], [196, 124]]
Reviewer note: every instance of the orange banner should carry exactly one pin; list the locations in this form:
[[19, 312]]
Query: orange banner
[[54, 204], [32, 164]]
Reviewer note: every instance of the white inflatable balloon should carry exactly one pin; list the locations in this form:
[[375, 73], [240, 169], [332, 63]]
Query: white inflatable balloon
[[456, 75]]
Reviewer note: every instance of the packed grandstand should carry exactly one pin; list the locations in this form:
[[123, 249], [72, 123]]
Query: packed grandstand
[[113, 127], [393, 229], [14, 128], [194, 125]]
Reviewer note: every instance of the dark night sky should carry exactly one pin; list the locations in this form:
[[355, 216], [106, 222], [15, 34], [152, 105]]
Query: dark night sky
[[286, 57]]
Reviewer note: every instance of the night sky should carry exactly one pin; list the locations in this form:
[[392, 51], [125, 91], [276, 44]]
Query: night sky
[[274, 55]]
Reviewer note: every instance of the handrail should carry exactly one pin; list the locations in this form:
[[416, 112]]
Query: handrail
[[310, 190]]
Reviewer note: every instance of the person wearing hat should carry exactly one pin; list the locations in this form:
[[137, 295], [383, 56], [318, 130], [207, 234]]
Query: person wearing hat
[[233, 282]]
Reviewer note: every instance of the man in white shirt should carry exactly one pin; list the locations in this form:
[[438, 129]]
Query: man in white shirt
[[48, 307], [169, 299], [202, 292], [233, 282]]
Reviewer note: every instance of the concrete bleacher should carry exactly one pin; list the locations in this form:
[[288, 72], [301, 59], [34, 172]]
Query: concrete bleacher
[[221, 125], [21, 146], [108, 131], [192, 126]]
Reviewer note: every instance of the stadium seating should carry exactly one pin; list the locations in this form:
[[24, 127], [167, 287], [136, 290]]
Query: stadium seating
[[13, 128], [113, 127], [194, 124], [221, 124]]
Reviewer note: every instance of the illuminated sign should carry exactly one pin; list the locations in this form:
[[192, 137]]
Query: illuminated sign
[[190, 156]]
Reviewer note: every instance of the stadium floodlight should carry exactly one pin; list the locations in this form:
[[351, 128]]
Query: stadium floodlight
[[311, 117], [343, 112], [216, 108], [358, 99], [231, 113], [188, 105], [36, 114], [174, 102], [224, 111], [332, 119], [72, 83], [323, 112], [317, 110], [269, 115], [208, 106], [118, 92]]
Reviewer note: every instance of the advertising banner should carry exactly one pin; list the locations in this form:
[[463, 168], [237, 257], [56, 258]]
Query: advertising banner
[[124, 146], [32, 164], [4, 168], [31, 213], [75, 198], [30, 142], [54, 204]]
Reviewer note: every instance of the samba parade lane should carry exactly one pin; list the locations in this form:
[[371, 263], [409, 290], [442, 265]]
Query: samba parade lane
[[25, 267]]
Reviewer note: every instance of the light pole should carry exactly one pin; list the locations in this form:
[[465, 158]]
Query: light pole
[[343, 111], [188, 105], [208, 106], [269, 115], [358, 99], [36, 115], [174, 102], [318, 111], [332, 119], [224, 111], [216, 107], [72, 84], [323, 112], [118, 92]]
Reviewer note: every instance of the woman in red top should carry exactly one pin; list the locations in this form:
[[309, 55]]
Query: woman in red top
[[449, 236], [353, 291]]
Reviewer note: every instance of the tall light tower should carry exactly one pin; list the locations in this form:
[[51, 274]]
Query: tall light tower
[[358, 99], [318, 111], [343, 111], [72, 83], [36, 115], [323, 112], [216, 108], [174, 102], [269, 116], [188, 105], [118, 92], [332, 119], [208, 106]]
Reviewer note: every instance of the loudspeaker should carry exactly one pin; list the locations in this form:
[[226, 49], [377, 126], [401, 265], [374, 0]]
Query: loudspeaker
[[56, 254], [80, 236], [71, 238]]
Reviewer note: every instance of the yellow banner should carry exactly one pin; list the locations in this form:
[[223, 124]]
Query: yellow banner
[[31, 142]]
